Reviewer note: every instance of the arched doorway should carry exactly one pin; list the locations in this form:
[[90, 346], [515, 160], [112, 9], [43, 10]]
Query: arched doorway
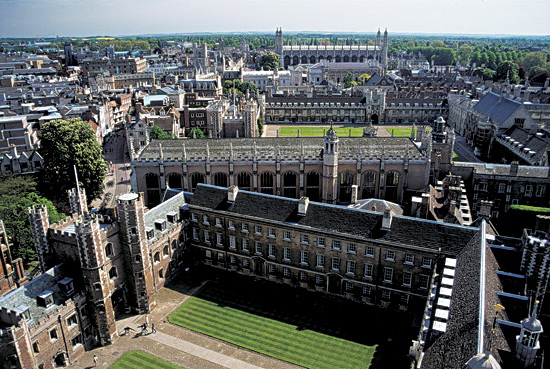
[[374, 118], [258, 267], [118, 299], [60, 360]]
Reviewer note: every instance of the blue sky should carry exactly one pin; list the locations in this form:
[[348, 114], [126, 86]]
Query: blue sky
[[41, 18]]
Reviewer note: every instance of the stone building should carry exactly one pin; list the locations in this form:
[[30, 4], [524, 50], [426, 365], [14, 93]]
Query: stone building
[[124, 65], [324, 169], [16, 131], [16, 163], [311, 54]]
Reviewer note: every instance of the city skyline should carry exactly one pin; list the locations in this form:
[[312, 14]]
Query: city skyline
[[42, 19]]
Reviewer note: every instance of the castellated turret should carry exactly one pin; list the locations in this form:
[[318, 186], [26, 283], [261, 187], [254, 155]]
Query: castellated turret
[[96, 269], [38, 216], [134, 242], [330, 166], [77, 201]]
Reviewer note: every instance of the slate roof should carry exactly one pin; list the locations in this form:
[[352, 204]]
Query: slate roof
[[25, 296], [495, 108], [405, 231], [173, 204], [530, 171], [538, 144], [288, 147]]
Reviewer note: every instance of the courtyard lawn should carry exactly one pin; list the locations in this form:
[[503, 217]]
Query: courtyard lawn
[[292, 131], [139, 359], [399, 131], [271, 337]]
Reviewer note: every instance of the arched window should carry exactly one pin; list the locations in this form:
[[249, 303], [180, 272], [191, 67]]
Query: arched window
[[304, 59], [354, 59], [166, 251], [156, 258], [113, 273], [290, 185], [338, 59], [295, 60], [244, 181], [267, 183], [287, 61], [197, 178], [175, 181], [392, 186], [346, 59], [109, 249], [368, 185], [174, 244], [313, 186], [221, 179], [152, 191], [312, 59], [344, 186]]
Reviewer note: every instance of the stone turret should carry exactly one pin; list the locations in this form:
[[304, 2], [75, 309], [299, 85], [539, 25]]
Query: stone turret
[[38, 217], [330, 166], [527, 343]]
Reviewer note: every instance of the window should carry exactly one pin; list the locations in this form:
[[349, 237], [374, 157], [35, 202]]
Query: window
[[483, 186], [271, 233], [77, 340], [258, 248], [304, 254], [257, 229], [304, 239], [303, 276], [369, 251], [246, 263], [231, 224], [426, 262], [109, 249], [501, 187], [320, 261], [540, 191], [424, 281], [232, 242], [244, 244], [221, 256], [335, 245], [72, 320], [320, 242], [35, 347], [161, 273], [205, 219], [286, 235], [350, 267], [208, 254], [407, 278], [195, 233], [271, 250], [244, 227], [388, 274], [219, 239], [386, 294], [352, 248], [319, 280], [53, 334], [286, 253], [194, 217], [218, 222], [528, 190], [348, 286], [368, 270], [367, 290], [409, 259], [390, 255], [404, 299], [113, 274], [286, 272], [207, 236], [232, 259], [271, 269], [335, 263]]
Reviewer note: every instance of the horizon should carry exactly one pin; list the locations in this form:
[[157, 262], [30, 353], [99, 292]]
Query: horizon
[[124, 18]]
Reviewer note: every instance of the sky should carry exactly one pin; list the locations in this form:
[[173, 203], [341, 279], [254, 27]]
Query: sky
[[50, 18]]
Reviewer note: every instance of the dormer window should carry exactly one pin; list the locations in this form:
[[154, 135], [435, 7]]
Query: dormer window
[[172, 217], [67, 285], [150, 232], [45, 299], [160, 224]]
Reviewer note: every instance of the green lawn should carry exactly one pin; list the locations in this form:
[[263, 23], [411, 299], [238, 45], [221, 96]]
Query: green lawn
[[292, 131], [457, 157], [271, 337], [139, 359]]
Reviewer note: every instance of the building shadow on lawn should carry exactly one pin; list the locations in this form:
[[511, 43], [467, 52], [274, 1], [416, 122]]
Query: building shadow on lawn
[[332, 315]]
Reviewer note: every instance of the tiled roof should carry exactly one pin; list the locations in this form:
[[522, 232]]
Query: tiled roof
[[530, 171], [497, 109], [288, 147], [405, 231]]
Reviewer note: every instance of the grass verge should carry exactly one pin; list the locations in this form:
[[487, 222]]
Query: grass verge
[[293, 131], [139, 359]]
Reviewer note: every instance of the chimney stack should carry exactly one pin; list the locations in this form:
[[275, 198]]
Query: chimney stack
[[387, 219], [354, 193], [303, 205], [232, 193]]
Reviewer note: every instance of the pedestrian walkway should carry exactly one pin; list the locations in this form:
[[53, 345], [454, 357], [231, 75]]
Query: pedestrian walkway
[[200, 352]]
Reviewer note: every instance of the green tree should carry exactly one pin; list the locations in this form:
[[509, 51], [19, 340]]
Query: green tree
[[268, 61], [509, 70], [363, 78], [64, 145], [260, 126], [437, 43], [195, 132], [348, 81], [464, 54], [485, 73], [535, 59], [158, 134], [17, 194]]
